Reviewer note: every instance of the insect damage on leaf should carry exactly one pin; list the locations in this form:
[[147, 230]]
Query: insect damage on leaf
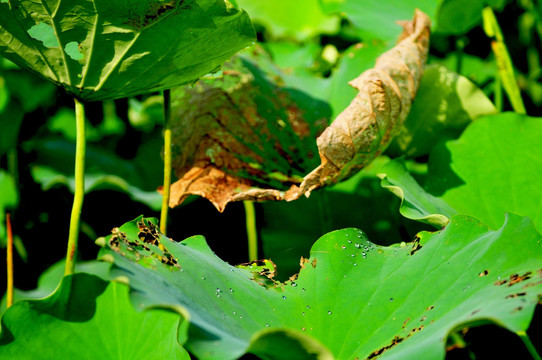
[[263, 272], [514, 279], [154, 12], [304, 261], [230, 155], [144, 248]]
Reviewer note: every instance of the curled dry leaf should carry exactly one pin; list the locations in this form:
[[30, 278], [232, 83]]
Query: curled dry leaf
[[243, 137]]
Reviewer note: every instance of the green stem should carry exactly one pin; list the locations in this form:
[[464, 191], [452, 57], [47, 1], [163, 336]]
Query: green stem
[[459, 46], [529, 345], [504, 62], [167, 162], [250, 214], [9, 290], [79, 194], [498, 93]]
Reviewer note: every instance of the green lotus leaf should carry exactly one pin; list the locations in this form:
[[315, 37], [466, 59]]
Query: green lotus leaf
[[88, 318], [300, 19], [445, 104], [492, 169], [51, 277], [102, 49], [105, 170], [352, 298], [376, 19]]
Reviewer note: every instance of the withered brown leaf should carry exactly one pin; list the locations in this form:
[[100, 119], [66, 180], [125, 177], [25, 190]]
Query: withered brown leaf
[[230, 144]]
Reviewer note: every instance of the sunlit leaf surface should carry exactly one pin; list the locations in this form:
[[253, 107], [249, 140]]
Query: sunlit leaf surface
[[493, 168], [101, 49], [354, 298]]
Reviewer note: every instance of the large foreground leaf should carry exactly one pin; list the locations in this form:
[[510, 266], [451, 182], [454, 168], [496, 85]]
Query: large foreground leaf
[[274, 157], [101, 49], [351, 299], [495, 167], [88, 318]]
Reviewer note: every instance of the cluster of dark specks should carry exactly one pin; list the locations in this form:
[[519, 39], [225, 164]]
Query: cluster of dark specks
[[398, 339], [157, 10], [514, 279], [141, 247], [148, 232]]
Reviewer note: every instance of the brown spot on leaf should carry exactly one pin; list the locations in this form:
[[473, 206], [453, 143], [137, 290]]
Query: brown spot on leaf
[[483, 273], [263, 272], [405, 323], [536, 283], [303, 261], [415, 245], [514, 279], [148, 232], [154, 12], [396, 340], [513, 296], [430, 308]]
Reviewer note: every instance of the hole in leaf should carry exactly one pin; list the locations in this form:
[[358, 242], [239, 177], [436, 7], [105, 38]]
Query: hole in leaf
[[44, 33], [72, 49]]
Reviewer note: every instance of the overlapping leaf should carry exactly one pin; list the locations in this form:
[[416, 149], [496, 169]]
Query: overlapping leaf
[[88, 318], [351, 299], [241, 132], [492, 169], [299, 19], [101, 49], [250, 141], [446, 103], [373, 18], [105, 170]]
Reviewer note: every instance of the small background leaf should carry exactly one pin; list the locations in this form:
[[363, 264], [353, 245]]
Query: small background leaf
[[105, 170], [490, 170], [444, 106], [300, 20], [375, 20]]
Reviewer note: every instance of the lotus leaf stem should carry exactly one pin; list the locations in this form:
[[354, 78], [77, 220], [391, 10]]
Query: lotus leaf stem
[[167, 162], [250, 214], [9, 290], [79, 194]]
